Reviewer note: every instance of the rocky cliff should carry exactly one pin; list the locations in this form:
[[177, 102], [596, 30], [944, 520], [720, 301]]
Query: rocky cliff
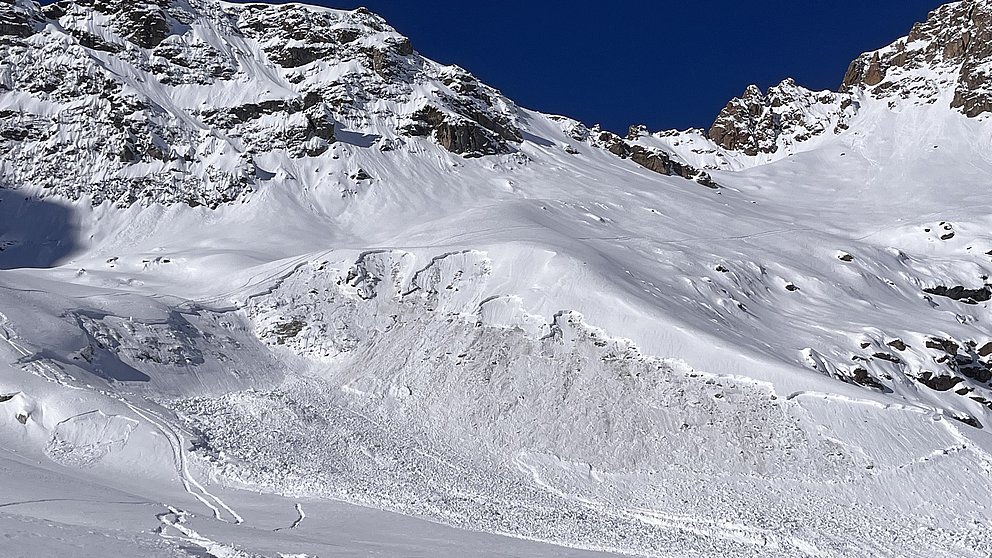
[[175, 101], [787, 114]]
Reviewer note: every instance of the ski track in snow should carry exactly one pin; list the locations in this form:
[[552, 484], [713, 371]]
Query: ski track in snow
[[171, 434], [190, 484], [301, 515]]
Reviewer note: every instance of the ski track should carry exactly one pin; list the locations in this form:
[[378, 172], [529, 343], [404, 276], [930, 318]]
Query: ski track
[[190, 484], [171, 434], [300, 516]]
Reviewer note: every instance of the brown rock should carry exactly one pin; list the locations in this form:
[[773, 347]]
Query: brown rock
[[897, 344], [955, 41], [863, 378], [854, 75], [946, 345], [875, 74], [886, 356], [939, 383], [958, 47]]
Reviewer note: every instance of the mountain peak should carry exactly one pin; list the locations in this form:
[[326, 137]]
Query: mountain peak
[[763, 122], [946, 59], [179, 102], [175, 102]]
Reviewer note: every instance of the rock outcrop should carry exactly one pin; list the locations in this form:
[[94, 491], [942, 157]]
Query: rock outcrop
[[762, 123], [18, 18], [945, 59], [652, 158], [172, 102], [948, 55]]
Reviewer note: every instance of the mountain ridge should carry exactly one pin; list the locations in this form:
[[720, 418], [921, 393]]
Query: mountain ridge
[[458, 112]]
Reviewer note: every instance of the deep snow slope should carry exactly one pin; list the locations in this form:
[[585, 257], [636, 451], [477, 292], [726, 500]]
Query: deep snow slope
[[261, 264]]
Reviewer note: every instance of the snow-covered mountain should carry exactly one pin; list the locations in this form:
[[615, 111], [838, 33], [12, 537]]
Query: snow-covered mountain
[[258, 260]]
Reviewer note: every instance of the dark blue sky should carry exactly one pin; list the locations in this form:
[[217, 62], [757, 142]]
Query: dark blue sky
[[663, 63]]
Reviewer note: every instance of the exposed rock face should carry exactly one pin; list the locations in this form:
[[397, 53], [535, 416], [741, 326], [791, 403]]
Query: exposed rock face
[[761, 123], [651, 158], [951, 52], [946, 59], [664, 163], [941, 364], [964, 361], [307, 128], [962, 294], [169, 101], [455, 133], [637, 147], [86, 134], [465, 116], [18, 18], [465, 123], [172, 102], [939, 383], [143, 23], [292, 36]]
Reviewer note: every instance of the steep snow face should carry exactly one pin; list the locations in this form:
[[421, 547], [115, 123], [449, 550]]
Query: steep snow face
[[404, 291]]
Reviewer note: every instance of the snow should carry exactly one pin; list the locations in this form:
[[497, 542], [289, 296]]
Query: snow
[[550, 345]]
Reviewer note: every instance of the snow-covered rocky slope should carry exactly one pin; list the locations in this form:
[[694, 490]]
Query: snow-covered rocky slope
[[256, 261]]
